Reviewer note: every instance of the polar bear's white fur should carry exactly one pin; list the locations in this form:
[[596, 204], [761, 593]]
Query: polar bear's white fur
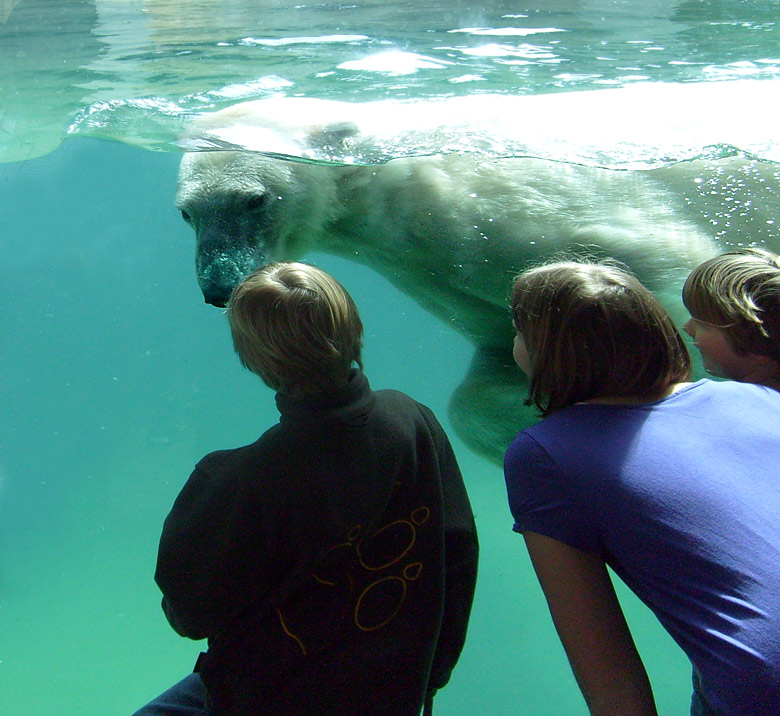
[[449, 229]]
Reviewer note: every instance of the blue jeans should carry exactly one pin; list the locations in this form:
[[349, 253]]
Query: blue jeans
[[187, 698]]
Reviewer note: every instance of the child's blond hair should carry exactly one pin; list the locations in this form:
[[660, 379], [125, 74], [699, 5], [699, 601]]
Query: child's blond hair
[[296, 327], [739, 293]]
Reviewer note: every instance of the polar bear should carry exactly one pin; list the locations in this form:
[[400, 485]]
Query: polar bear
[[450, 229]]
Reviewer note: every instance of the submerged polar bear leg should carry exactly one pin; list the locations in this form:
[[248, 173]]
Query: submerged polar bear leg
[[487, 408]]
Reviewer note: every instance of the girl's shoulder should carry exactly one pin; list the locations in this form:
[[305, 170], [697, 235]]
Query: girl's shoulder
[[730, 390]]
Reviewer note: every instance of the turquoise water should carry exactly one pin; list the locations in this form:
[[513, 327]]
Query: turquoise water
[[116, 376]]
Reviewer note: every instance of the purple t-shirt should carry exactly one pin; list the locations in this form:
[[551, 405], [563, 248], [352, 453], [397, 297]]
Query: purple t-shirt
[[682, 499]]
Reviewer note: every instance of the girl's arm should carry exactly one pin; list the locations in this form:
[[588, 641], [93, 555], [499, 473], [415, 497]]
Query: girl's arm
[[592, 628]]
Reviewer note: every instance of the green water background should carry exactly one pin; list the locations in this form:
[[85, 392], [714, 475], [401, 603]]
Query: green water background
[[116, 378]]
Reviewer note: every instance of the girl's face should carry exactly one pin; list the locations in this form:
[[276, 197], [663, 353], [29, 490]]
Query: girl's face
[[520, 354], [719, 358]]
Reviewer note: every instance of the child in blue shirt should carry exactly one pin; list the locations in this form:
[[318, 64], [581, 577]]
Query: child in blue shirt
[[671, 484]]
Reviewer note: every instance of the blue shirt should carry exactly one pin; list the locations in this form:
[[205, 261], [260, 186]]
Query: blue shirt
[[682, 499]]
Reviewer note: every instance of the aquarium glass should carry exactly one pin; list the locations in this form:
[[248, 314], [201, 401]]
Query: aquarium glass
[[117, 377]]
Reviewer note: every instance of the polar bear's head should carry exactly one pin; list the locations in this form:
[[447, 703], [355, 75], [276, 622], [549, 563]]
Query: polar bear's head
[[248, 209], [266, 203]]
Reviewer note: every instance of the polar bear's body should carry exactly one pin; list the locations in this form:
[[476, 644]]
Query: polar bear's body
[[450, 230]]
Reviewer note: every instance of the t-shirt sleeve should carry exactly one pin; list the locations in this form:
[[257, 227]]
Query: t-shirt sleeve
[[544, 499]]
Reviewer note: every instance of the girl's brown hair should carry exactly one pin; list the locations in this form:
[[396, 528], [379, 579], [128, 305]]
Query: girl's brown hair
[[296, 327], [593, 331]]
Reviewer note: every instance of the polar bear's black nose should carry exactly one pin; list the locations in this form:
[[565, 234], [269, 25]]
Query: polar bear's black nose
[[215, 293], [218, 299]]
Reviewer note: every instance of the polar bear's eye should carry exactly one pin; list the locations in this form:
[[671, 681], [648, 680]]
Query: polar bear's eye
[[256, 202]]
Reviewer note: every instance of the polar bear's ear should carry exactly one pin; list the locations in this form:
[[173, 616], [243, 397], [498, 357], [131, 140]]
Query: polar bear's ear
[[332, 136]]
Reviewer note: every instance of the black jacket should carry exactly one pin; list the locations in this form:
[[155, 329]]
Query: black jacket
[[331, 564]]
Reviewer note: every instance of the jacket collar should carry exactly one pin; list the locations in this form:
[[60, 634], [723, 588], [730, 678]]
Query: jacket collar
[[354, 397]]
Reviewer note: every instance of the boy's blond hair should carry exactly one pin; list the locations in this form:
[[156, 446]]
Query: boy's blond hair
[[739, 293], [594, 331], [296, 327]]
